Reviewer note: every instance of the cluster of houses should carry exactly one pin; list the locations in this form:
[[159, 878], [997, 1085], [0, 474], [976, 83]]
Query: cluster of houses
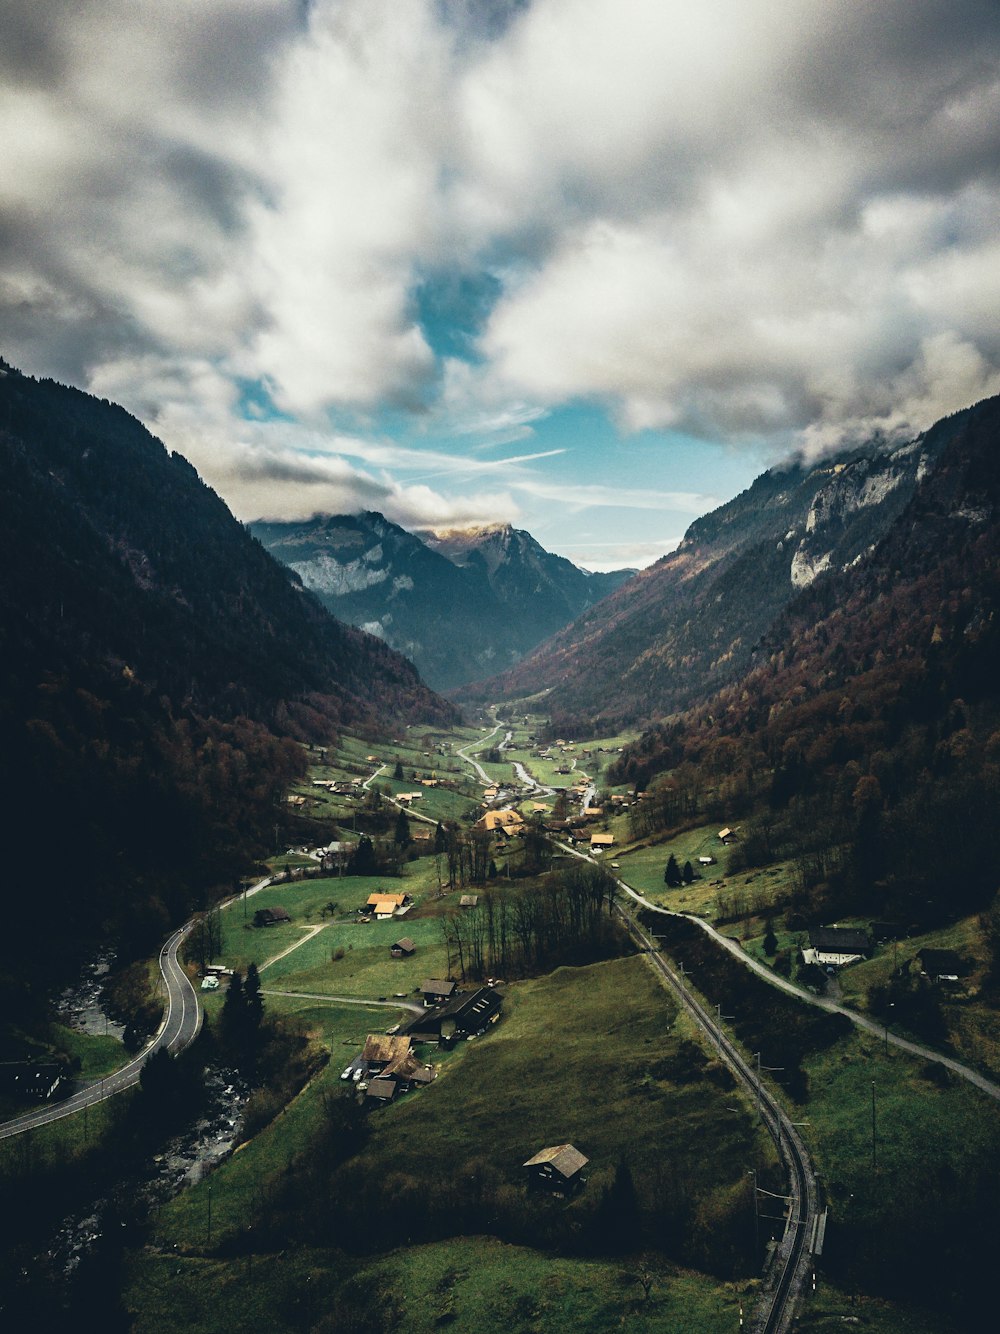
[[388, 1065]]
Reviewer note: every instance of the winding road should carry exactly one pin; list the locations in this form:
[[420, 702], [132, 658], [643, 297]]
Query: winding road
[[179, 1028]]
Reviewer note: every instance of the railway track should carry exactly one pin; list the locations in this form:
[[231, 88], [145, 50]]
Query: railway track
[[790, 1261]]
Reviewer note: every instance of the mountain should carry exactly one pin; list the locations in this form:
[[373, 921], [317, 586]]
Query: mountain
[[686, 626], [461, 604], [155, 665], [863, 737]]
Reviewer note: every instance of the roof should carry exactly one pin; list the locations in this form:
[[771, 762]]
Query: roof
[[840, 939], [382, 1089], [381, 1048], [276, 914], [566, 1160], [468, 901], [602, 840], [942, 963], [405, 944], [499, 820], [395, 899], [437, 986], [469, 1006]]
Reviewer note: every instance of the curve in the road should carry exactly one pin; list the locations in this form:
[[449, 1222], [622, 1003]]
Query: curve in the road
[[178, 1029]]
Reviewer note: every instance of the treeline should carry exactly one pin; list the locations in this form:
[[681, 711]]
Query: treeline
[[566, 918]]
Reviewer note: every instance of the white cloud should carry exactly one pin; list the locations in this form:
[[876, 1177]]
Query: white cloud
[[748, 220]]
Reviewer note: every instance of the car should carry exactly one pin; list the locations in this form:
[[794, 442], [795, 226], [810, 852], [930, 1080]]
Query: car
[[357, 1074], [347, 1073], [616, 866]]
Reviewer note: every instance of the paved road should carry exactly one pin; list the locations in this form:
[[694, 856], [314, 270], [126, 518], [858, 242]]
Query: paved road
[[475, 763], [181, 1022]]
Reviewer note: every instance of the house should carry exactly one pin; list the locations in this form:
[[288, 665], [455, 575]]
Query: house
[[383, 1052], [942, 965], [380, 1092], [509, 821], [600, 841], [30, 1079], [557, 1168], [271, 916], [706, 861], [727, 835], [435, 990], [467, 1014], [385, 905], [402, 949], [468, 901], [836, 946]]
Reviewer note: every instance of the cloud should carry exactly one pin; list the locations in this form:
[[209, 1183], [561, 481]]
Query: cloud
[[773, 221]]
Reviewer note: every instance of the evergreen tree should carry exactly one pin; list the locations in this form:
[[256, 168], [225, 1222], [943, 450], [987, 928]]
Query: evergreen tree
[[397, 773], [233, 1011], [253, 1001], [770, 940], [363, 861], [672, 875], [688, 873], [402, 835], [440, 839]]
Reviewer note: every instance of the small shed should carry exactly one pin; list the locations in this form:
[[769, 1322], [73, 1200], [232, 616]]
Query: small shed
[[402, 949], [271, 916], [557, 1168], [469, 901]]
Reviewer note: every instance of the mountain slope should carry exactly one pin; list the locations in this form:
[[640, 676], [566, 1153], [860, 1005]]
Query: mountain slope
[[687, 625], [155, 663], [460, 605]]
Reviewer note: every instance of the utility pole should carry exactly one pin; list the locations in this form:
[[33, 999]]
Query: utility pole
[[873, 1127], [756, 1224], [719, 1016]]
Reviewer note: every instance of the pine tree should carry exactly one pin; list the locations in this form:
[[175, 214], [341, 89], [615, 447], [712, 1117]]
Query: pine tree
[[688, 873], [672, 875], [402, 835]]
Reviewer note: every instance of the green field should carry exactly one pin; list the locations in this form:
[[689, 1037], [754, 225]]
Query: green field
[[476, 1283]]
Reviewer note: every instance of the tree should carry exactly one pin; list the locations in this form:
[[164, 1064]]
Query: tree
[[770, 940], [672, 875], [688, 873], [253, 1000], [363, 861], [440, 839], [397, 773], [402, 835]]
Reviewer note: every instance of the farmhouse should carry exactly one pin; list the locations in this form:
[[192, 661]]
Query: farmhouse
[[435, 990], [402, 949], [380, 1092], [384, 1051], [508, 821], [942, 965], [467, 1014], [271, 916], [600, 841], [836, 946], [385, 905], [557, 1168]]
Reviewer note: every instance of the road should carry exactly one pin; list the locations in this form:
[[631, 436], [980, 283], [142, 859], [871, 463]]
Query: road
[[181, 1022], [461, 751]]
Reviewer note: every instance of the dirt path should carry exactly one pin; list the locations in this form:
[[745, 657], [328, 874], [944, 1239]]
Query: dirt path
[[310, 931]]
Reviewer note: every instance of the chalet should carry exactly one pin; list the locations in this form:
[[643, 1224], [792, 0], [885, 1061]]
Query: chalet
[[406, 798], [727, 835], [469, 901], [706, 861], [508, 821], [557, 1168], [383, 1052], [836, 946], [601, 841], [402, 949], [385, 905], [467, 1014], [942, 965], [436, 990], [271, 916], [380, 1092]]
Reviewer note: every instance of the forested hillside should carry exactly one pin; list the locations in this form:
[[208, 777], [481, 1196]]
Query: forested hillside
[[865, 735], [688, 625], [157, 669]]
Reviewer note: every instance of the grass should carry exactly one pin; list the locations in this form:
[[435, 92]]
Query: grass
[[366, 968], [476, 1283], [578, 1056], [98, 1055]]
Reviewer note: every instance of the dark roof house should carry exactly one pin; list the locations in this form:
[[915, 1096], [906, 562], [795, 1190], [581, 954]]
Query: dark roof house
[[943, 965], [467, 1013], [402, 949], [437, 989], [557, 1168], [271, 916], [837, 945]]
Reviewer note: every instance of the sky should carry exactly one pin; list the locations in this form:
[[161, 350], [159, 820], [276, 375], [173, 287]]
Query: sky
[[585, 266]]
